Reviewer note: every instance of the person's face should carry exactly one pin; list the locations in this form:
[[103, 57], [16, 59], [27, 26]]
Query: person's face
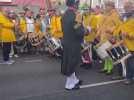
[[58, 13], [11, 15], [97, 10], [108, 9], [22, 15], [28, 14], [42, 12]]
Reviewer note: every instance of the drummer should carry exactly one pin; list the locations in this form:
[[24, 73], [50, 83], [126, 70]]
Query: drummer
[[95, 19], [30, 27], [44, 20], [7, 37], [92, 19], [13, 17], [106, 29], [55, 25], [23, 28], [128, 37]]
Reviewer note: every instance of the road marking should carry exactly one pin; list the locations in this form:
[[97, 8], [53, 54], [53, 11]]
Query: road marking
[[33, 60], [101, 84]]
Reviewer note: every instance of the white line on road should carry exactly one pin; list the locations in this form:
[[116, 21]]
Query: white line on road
[[100, 84], [33, 61]]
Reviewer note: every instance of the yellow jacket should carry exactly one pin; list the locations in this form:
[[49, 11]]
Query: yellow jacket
[[128, 27], [38, 28], [108, 25], [55, 26], [6, 31], [23, 26], [92, 21]]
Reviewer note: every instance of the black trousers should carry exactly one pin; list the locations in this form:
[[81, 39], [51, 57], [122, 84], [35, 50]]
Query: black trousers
[[6, 48], [15, 48], [130, 67]]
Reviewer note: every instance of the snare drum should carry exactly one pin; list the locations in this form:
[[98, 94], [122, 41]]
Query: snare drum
[[86, 53], [20, 41], [35, 39], [102, 50], [119, 53], [54, 45]]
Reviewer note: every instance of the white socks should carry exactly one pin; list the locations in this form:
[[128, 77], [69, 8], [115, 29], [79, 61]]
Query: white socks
[[71, 81]]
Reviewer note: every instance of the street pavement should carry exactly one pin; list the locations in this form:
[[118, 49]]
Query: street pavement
[[37, 77]]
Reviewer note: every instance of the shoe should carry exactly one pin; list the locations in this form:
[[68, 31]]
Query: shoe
[[117, 78], [80, 82], [11, 56], [109, 73], [102, 71], [16, 56], [76, 87], [128, 82], [7, 62]]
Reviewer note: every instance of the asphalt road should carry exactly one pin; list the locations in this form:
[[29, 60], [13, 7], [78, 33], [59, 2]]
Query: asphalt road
[[38, 78]]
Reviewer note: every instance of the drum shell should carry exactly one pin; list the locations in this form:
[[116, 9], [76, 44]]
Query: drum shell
[[102, 50]]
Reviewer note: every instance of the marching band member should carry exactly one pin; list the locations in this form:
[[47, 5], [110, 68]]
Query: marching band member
[[86, 21], [73, 36], [128, 37], [38, 26], [56, 30], [13, 17], [93, 19], [106, 29], [7, 37], [44, 21], [30, 28], [23, 26]]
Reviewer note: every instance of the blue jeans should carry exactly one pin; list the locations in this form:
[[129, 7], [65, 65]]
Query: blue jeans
[[130, 67]]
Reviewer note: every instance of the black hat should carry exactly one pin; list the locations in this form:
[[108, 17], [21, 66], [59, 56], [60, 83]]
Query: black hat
[[72, 2]]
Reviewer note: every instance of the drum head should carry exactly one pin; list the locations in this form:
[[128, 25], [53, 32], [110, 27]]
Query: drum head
[[35, 39]]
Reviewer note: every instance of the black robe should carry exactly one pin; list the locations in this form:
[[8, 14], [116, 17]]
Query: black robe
[[72, 39]]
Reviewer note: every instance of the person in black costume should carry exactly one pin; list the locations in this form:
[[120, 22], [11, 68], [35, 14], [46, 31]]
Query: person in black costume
[[73, 33]]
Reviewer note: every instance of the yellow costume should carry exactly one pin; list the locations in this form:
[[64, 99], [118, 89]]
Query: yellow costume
[[128, 27], [93, 22], [108, 26], [38, 28], [106, 29], [55, 26], [23, 26], [6, 31]]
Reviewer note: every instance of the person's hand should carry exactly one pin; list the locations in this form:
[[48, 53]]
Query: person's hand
[[89, 29], [124, 34]]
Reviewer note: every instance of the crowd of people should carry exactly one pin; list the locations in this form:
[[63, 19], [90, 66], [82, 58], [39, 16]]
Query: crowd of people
[[24, 31], [98, 26]]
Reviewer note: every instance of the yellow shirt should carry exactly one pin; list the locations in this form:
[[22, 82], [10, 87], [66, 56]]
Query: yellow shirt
[[55, 26], [6, 31], [23, 26], [38, 28], [92, 21], [128, 27]]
